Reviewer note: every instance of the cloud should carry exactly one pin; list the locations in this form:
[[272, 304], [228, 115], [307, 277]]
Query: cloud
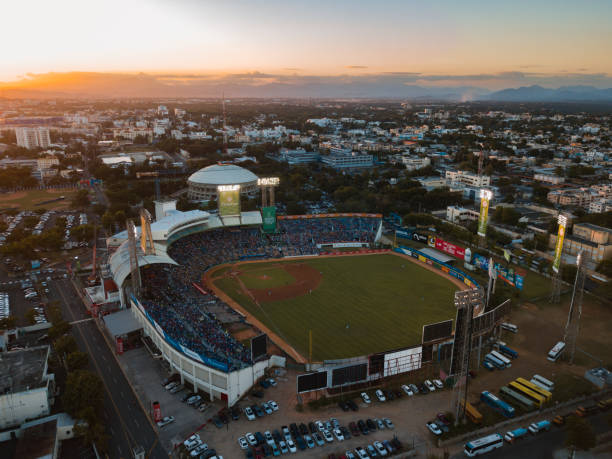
[[263, 84], [356, 67]]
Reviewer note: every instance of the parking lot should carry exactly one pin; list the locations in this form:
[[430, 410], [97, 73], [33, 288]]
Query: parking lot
[[406, 413]]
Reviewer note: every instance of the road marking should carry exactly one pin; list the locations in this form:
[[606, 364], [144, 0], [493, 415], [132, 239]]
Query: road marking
[[136, 422]]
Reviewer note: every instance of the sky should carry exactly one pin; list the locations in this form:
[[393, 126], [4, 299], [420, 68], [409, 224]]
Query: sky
[[485, 43]]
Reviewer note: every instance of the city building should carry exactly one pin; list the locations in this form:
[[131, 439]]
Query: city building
[[298, 156], [457, 214], [26, 389], [592, 239], [414, 162], [549, 178], [467, 178], [47, 163], [343, 159], [599, 206], [202, 185], [33, 137]]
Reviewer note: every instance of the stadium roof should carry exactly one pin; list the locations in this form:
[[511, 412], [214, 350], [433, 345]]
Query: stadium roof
[[121, 323], [223, 174]]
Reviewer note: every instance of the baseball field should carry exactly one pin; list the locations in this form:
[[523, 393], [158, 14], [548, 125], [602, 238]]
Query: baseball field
[[354, 305]]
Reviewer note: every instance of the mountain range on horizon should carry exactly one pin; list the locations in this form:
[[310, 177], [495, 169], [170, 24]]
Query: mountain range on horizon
[[258, 85]]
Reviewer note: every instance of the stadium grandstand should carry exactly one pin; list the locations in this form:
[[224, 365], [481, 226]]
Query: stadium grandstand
[[183, 319]]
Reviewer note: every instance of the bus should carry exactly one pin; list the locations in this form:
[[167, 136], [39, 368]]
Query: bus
[[510, 327], [483, 445], [537, 399], [535, 388], [514, 395], [501, 357], [516, 434], [497, 404], [507, 351], [543, 383], [472, 413], [556, 351], [495, 361]]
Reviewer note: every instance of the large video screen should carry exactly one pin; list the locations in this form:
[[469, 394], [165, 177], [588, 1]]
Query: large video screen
[[440, 330], [312, 381], [229, 200], [347, 375], [259, 346]]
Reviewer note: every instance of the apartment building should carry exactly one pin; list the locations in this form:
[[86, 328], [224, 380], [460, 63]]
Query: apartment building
[[594, 240], [33, 137], [414, 162], [456, 214], [549, 178], [467, 178]]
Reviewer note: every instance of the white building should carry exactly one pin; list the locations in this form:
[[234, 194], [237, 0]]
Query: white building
[[33, 137], [549, 178], [414, 162], [26, 389], [467, 178], [599, 206], [457, 214]]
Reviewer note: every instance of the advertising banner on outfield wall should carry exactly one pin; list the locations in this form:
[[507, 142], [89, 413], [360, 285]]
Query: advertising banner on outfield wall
[[431, 241], [450, 248], [420, 237]]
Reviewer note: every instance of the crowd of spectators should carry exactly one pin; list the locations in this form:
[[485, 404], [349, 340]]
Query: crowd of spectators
[[181, 311], [174, 303]]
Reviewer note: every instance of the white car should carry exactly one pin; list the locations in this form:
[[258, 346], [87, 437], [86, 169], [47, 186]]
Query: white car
[[439, 384], [244, 444], [380, 396], [433, 427], [365, 397], [291, 446], [165, 421], [268, 437], [388, 423], [248, 412], [407, 390], [429, 385], [171, 385], [380, 449], [361, 453], [349, 455], [328, 436], [195, 444], [320, 426], [273, 405], [199, 450], [338, 434], [191, 440], [251, 439]]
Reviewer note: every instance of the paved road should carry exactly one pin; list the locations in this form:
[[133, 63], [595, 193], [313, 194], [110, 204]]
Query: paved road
[[127, 424], [541, 446]]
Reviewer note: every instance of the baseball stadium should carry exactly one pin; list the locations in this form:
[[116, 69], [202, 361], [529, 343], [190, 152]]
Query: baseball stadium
[[202, 284]]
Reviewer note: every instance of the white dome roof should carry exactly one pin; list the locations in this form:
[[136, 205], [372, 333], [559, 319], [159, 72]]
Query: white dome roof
[[222, 174]]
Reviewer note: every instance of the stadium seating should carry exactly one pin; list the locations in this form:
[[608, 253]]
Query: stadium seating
[[172, 301]]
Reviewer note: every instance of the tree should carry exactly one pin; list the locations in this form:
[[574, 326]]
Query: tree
[[120, 217], [30, 316], [59, 329], [65, 345], [107, 220], [8, 323], [580, 434], [80, 199], [77, 361], [83, 233]]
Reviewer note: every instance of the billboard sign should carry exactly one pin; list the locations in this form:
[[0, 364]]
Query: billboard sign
[[229, 200], [259, 346], [268, 216], [312, 381], [402, 361], [403, 234], [420, 237], [450, 248], [431, 241], [559, 246], [485, 197]]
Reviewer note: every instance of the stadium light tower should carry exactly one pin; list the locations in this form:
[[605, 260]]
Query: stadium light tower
[[575, 310]]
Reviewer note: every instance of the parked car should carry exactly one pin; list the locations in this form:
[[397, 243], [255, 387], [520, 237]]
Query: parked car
[[318, 438], [352, 405], [380, 448], [244, 444], [251, 439], [371, 425], [429, 385], [439, 384], [328, 436], [381, 397], [365, 397], [165, 421], [273, 405], [433, 427], [198, 450], [407, 390], [248, 412], [388, 423], [338, 434], [191, 441]]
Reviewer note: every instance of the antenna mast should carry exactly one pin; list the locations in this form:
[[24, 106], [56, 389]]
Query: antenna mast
[[224, 127]]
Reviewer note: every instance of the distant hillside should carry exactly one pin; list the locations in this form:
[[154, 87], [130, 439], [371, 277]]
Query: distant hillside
[[563, 94]]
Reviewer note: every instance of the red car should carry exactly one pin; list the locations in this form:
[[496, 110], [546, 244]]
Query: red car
[[258, 452], [443, 419]]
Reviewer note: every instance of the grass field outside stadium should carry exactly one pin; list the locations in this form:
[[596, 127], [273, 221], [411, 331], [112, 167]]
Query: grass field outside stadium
[[354, 305]]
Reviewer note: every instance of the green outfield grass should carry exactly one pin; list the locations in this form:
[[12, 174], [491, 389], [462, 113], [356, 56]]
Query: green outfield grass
[[364, 304]]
